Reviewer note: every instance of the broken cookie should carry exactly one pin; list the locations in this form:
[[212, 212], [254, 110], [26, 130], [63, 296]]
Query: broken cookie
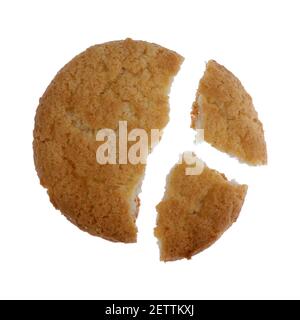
[[195, 211], [225, 111], [108, 83]]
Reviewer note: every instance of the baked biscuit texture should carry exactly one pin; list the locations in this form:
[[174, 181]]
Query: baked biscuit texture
[[225, 111], [116, 81], [195, 211]]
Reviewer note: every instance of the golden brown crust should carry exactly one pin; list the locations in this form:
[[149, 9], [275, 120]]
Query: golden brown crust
[[120, 80], [195, 211], [228, 117]]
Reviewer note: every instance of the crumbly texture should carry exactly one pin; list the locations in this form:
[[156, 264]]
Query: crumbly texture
[[225, 111], [121, 80], [195, 211]]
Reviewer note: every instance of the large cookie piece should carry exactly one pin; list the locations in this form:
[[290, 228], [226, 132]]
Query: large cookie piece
[[116, 81]]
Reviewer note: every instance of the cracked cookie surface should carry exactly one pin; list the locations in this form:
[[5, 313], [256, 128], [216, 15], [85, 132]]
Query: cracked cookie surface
[[225, 111], [115, 81]]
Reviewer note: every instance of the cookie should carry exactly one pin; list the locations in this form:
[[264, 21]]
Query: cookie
[[111, 82], [225, 111], [195, 211]]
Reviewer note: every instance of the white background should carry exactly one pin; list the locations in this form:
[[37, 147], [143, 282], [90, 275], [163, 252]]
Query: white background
[[44, 256]]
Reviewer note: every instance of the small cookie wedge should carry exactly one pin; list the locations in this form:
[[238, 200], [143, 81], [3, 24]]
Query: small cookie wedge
[[123, 80], [225, 111], [195, 211]]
